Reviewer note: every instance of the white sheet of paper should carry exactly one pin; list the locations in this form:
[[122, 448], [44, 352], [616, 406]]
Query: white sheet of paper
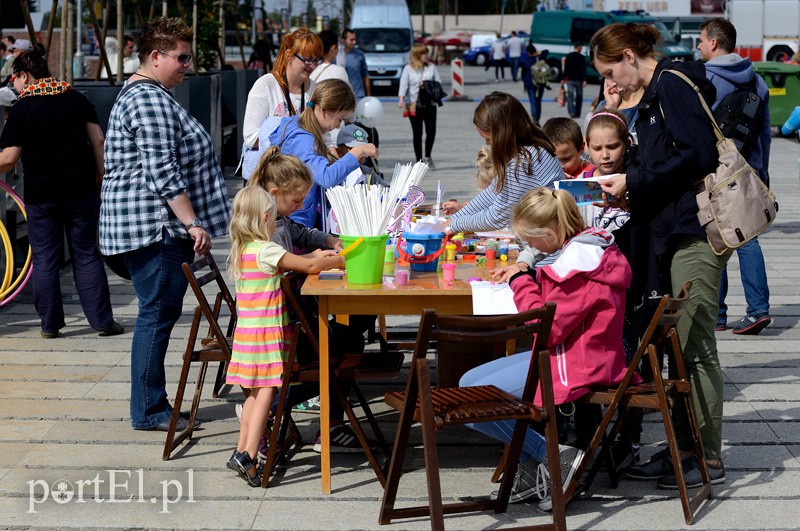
[[353, 178], [490, 298]]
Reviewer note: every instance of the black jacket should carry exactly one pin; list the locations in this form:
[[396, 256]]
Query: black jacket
[[676, 149]]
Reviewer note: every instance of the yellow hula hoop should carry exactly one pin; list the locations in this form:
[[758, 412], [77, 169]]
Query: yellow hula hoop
[[24, 274]]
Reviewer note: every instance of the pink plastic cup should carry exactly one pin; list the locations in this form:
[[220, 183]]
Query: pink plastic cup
[[448, 272]]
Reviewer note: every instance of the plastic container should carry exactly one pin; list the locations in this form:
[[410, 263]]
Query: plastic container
[[401, 276], [783, 81], [448, 272], [450, 251], [491, 254], [364, 264], [421, 250]]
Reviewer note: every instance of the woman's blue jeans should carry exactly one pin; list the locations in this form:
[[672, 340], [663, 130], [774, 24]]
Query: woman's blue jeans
[[509, 374], [160, 286], [754, 281]]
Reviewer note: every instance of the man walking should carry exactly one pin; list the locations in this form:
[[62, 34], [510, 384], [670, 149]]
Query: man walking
[[728, 72], [514, 53], [575, 77], [355, 63]]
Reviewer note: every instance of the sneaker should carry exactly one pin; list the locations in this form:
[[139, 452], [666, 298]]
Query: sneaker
[[233, 462], [691, 474], [114, 330], [531, 479], [49, 335], [658, 466], [429, 162], [309, 406], [343, 441], [244, 463], [751, 325], [239, 408], [721, 326], [570, 459]]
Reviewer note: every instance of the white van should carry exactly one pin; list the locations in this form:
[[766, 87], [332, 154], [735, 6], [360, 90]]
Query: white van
[[385, 35]]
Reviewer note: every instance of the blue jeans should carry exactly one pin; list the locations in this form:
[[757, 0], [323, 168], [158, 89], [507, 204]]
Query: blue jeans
[[574, 98], [509, 374], [160, 286], [514, 67], [535, 97], [754, 281], [47, 224]]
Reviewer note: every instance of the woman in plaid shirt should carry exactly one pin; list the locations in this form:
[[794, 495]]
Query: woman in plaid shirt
[[163, 199]]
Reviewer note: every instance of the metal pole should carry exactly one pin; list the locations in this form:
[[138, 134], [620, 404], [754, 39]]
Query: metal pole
[[120, 42], [77, 63], [68, 48]]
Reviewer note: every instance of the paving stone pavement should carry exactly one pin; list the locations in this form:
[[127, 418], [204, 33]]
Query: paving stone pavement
[[64, 410]]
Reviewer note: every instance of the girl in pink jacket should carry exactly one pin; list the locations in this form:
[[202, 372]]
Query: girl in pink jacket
[[586, 275]]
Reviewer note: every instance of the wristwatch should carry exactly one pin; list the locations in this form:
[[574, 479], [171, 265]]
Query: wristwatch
[[195, 223]]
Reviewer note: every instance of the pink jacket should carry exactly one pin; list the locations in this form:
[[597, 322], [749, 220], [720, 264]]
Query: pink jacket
[[587, 281]]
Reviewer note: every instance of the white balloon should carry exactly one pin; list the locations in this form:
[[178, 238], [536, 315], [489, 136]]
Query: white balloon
[[369, 111]]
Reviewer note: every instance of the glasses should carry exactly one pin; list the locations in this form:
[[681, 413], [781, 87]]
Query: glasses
[[311, 61], [184, 58], [12, 78]]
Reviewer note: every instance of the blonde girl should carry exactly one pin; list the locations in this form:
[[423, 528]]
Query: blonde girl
[[409, 95], [330, 103], [483, 178], [260, 339], [522, 158], [607, 139], [587, 279]]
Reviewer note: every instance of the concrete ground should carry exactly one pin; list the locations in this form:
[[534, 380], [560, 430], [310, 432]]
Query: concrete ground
[[66, 444]]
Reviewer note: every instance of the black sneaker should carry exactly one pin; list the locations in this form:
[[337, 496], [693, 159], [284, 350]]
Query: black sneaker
[[691, 474], [658, 466], [233, 461], [531, 479], [245, 463], [751, 325]]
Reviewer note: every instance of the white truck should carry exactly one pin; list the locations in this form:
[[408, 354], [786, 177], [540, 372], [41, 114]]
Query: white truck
[[767, 30]]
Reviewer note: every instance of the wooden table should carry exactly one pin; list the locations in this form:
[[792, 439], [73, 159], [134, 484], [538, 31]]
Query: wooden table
[[337, 297]]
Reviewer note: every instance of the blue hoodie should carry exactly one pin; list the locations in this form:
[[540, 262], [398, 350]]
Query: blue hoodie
[[294, 140], [727, 72]]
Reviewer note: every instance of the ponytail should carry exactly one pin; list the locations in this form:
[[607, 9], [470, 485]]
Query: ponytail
[[284, 172], [332, 95]]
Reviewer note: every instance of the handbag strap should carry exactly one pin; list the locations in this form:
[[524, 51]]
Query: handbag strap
[[717, 130]]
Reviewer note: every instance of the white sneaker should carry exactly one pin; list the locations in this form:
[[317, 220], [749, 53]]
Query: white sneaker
[[570, 459]]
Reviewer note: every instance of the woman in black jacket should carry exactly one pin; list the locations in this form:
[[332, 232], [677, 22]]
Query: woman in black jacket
[[676, 149]]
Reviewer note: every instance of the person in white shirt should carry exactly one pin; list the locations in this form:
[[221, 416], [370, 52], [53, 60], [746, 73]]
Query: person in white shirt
[[419, 110], [499, 58], [130, 61], [514, 45], [328, 69]]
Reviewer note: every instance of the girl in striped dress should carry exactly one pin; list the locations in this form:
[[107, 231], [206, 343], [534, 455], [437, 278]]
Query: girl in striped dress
[[260, 341]]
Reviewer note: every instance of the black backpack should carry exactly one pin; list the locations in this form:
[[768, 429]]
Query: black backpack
[[740, 116]]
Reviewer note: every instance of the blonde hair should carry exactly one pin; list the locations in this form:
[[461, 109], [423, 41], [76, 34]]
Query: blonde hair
[[332, 95], [415, 60], [485, 167], [285, 172], [248, 223], [543, 212]]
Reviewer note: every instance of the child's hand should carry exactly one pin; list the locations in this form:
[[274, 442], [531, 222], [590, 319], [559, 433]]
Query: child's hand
[[451, 207], [363, 151], [323, 253], [504, 274]]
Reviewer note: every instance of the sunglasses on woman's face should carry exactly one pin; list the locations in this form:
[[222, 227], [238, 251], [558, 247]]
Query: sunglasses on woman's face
[[12, 78], [184, 58], [310, 61]]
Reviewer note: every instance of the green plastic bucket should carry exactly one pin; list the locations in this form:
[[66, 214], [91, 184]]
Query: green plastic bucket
[[364, 264]]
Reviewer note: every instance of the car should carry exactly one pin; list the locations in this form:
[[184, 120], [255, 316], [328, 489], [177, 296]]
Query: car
[[480, 47]]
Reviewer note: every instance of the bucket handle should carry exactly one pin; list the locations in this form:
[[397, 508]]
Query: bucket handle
[[403, 255]]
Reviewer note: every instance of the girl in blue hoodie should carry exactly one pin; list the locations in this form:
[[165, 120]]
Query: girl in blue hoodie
[[330, 103]]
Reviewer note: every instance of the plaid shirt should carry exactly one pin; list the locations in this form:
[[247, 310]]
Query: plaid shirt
[[154, 152]]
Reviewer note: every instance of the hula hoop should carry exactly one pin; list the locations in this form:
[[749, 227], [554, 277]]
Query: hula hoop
[[24, 276]]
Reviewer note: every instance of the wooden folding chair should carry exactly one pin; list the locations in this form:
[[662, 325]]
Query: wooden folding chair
[[438, 408], [216, 347], [659, 395], [346, 368]]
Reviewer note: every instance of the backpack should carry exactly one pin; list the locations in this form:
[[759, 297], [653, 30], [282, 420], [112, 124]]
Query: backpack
[[734, 205], [540, 72], [740, 116]]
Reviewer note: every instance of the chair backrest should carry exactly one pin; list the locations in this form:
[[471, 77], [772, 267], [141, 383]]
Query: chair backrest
[[492, 331], [200, 273], [297, 312]]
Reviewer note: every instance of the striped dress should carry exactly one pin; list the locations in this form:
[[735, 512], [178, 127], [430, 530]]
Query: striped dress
[[261, 339]]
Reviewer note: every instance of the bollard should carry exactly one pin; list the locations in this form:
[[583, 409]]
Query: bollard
[[457, 69]]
